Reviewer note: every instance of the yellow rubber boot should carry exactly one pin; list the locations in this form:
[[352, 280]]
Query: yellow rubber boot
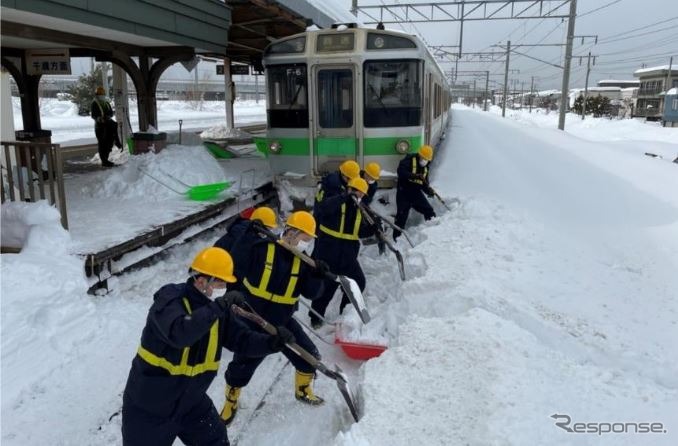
[[303, 389], [230, 405]]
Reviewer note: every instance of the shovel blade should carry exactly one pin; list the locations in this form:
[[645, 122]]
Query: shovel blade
[[355, 296], [342, 384]]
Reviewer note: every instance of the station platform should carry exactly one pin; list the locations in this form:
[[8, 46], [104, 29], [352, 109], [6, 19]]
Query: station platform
[[121, 217]]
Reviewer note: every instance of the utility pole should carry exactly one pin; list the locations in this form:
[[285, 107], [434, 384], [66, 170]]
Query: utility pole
[[474, 93], [586, 86], [667, 85], [508, 55], [354, 7], [531, 93], [522, 95], [565, 93], [487, 84]]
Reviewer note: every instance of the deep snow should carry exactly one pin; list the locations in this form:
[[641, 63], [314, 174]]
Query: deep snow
[[550, 288]]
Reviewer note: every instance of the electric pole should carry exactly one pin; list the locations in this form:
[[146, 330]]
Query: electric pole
[[508, 55], [531, 93], [667, 85], [565, 93], [487, 84], [586, 86]]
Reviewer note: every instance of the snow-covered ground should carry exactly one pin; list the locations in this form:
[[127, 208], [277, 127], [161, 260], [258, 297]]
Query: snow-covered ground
[[550, 288], [61, 117]]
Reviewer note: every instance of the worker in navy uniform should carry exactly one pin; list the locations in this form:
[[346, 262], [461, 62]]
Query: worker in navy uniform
[[371, 174], [178, 358], [340, 228], [412, 185], [241, 235], [335, 183], [105, 128], [274, 280]]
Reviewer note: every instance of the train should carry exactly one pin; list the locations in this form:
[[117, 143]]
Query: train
[[349, 93]]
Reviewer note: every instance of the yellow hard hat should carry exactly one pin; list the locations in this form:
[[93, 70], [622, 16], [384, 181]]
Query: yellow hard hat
[[350, 169], [426, 152], [373, 170], [214, 262], [359, 184], [303, 221], [265, 215], [99, 91]]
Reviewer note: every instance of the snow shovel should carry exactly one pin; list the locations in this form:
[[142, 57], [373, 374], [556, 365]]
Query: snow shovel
[[388, 222], [337, 374], [380, 235], [201, 192], [353, 350], [348, 285]]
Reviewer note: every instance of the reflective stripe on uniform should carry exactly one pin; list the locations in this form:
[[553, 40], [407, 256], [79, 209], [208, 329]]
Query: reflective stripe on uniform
[[262, 290], [101, 109], [414, 171], [209, 365], [340, 233]]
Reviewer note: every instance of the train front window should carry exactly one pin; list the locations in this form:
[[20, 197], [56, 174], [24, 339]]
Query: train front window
[[392, 93], [335, 98], [287, 96]]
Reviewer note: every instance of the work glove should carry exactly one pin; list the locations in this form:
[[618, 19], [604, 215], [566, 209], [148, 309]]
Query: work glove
[[321, 268], [278, 341], [230, 298], [382, 247], [428, 191]]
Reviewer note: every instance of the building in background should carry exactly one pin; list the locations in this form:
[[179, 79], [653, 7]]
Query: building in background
[[653, 87]]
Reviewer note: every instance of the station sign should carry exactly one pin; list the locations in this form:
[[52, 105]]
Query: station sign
[[48, 61], [235, 69]]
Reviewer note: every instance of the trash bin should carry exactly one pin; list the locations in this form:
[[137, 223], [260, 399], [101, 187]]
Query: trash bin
[[38, 136], [144, 142]]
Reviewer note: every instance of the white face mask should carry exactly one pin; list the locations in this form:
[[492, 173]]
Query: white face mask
[[218, 292], [423, 162], [304, 246], [370, 181]]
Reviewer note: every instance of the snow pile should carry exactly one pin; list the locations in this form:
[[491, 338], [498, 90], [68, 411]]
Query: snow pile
[[44, 302], [142, 176], [223, 132]]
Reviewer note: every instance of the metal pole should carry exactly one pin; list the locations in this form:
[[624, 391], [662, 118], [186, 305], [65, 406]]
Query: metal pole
[[474, 93], [667, 85], [508, 55], [354, 8], [256, 89], [565, 90], [229, 96], [522, 94], [531, 93], [487, 83], [586, 87]]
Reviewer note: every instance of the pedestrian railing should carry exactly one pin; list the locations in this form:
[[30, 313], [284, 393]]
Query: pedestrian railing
[[31, 172]]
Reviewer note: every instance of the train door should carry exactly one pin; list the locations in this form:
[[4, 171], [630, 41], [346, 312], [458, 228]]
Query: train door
[[334, 120], [427, 109]]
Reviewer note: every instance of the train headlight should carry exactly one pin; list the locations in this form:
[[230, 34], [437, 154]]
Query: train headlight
[[275, 147], [403, 146]]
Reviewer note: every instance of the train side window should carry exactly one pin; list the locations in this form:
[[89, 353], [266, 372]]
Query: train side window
[[392, 92], [287, 96]]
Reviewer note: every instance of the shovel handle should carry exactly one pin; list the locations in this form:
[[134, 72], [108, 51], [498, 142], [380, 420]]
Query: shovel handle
[[270, 329]]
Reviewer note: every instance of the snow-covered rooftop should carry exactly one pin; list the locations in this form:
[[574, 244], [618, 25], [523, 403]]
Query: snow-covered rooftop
[[659, 68], [618, 81]]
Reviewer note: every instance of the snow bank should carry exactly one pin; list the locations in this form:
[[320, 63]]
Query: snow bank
[[223, 132], [44, 298], [191, 165]]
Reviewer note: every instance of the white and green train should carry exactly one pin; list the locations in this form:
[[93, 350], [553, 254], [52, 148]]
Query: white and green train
[[349, 93]]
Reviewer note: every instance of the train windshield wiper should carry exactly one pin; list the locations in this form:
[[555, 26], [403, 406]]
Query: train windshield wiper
[[378, 96]]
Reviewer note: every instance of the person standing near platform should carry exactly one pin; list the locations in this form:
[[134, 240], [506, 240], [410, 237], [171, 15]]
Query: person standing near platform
[[371, 174], [187, 326], [105, 128], [340, 229], [273, 283], [412, 185], [241, 235]]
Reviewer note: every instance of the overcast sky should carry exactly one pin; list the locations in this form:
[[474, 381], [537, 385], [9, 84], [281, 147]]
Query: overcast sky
[[620, 52], [629, 35]]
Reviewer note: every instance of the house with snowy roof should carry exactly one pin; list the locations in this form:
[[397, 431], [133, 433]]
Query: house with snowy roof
[[654, 82], [670, 117]]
